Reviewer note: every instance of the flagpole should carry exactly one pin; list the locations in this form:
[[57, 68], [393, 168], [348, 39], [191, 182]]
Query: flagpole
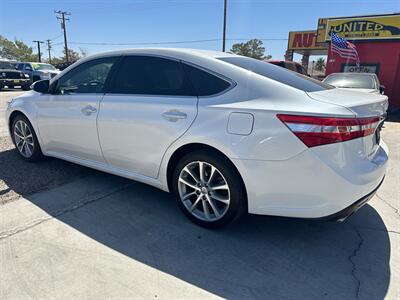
[[330, 48]]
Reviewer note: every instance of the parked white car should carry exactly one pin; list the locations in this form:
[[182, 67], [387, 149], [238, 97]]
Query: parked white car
[[225, 133], [361, 82]]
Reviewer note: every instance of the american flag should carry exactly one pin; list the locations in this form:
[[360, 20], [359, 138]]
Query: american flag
[[344, 48]]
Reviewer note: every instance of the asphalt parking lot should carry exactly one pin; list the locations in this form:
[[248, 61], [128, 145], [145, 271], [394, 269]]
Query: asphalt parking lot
[[70, 232]]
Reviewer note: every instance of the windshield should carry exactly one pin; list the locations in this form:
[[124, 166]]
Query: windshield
[[279, 74], [43, 66], [351, 81], [7, 65]]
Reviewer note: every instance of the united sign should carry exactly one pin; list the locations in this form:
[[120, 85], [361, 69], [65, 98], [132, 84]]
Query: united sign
[[365, 28]]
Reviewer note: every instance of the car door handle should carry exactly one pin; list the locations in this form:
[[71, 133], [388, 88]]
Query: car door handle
[[88, 110], [174, 115]]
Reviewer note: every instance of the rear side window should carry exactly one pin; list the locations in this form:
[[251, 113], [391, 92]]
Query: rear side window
[[282, 75], [205, 83], [147, 75]]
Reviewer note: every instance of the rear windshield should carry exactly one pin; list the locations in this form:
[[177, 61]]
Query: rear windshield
[[351, 81], [282, 75]]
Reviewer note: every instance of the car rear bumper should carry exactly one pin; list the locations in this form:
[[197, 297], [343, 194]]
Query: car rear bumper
[[311, 184], [351, 209]]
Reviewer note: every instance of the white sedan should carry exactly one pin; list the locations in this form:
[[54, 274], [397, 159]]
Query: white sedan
[[224, 133]]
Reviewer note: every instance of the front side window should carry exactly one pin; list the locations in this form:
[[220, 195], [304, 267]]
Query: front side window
[[88, 77], [147, 75], [282, 75]]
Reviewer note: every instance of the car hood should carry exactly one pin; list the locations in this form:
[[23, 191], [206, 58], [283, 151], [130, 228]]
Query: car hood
[[361, 104], [48, 71], [9, 70]]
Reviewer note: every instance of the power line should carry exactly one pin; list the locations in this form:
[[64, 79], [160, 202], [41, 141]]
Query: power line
[[169, 42], [57, 37], [60, 15], [38, 46]]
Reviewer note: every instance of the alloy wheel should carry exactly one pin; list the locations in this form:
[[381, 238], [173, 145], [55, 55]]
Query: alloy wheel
[[204, 191], [23, 139]]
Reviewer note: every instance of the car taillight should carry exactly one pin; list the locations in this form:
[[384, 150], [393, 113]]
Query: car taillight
[[315, 131]]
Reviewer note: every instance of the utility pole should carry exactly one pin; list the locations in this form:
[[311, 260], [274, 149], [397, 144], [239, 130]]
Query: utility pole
[[38, 46], [49, 49], [224, 29], [61, 16]]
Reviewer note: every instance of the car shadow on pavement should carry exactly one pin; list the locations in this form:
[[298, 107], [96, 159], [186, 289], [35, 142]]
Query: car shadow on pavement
[[19, 178], [256, 257]]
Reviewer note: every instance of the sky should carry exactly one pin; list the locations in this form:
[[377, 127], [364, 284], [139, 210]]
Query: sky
[[100, 25]]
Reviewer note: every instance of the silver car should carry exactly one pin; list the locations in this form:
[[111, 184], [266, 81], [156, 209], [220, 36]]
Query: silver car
[[362, 82], [225, 134]]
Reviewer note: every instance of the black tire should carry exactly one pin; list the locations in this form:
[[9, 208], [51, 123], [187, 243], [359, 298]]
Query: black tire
[[238, 199], [36, 152], [26, 88], [35, 78]]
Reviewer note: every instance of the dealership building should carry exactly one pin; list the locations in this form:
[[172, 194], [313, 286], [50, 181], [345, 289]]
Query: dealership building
[[377, 40]]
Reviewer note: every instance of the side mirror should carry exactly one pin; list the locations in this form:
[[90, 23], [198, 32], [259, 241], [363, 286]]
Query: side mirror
[[382, 89], [41, 86]]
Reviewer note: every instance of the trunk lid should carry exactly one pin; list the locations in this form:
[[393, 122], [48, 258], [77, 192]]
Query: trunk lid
[[361, 90], [361, 105]]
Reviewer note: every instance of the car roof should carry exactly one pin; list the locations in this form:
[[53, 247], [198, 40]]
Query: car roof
[[165, 51]]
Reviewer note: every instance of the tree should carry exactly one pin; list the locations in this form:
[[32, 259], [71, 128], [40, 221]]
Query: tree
[[252, 48], [320, 64], [73, 56], [16, 50]]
